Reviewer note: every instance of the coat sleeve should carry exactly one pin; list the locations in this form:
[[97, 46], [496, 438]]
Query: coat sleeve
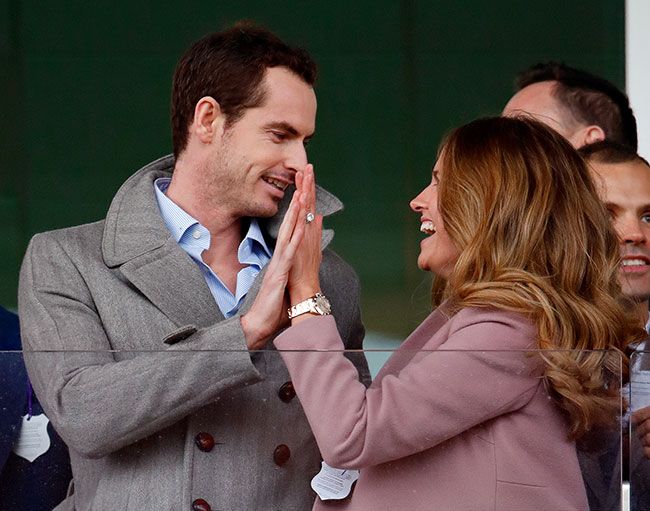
[[436, 396], [341, 285], [99, 404]]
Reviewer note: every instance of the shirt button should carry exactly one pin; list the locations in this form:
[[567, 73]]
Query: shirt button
[[204, 441], [287, 392], [200, 505], [196, 234], [281, 455]]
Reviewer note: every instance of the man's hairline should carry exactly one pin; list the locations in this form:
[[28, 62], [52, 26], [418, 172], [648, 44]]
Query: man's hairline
[[567, 114], [261, 90]]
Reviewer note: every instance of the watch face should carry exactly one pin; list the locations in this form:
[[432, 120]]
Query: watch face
[[322, 304]]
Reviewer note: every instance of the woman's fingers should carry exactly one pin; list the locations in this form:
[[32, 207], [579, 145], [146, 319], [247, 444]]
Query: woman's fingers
[[309, 187]]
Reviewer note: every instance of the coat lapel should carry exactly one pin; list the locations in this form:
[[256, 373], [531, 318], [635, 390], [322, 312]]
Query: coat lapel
[[169, 278], [137, 241]]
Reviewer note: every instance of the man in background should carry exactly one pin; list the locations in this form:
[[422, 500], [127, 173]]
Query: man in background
[[582, 107], [588, 110], [623, 181], [30, 477], [176, 272]]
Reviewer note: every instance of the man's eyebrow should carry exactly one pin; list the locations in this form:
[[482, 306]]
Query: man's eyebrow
[[285, 126], [281, 125]]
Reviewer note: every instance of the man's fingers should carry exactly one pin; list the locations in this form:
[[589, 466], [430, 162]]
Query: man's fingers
[[299, 180], [305, 188], [298, 231], [289, 221]]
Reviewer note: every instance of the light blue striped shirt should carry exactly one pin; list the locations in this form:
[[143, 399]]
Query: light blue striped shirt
[[194, 238]]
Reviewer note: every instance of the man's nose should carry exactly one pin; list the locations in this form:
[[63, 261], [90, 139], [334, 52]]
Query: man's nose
[[632, 232], [297, 157]]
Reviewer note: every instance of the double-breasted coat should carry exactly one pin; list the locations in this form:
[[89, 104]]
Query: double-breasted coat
[[153, 390]]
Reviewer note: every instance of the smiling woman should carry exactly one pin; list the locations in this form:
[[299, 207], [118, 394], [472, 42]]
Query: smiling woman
[[498, 383], [438, 253], [536, 240]]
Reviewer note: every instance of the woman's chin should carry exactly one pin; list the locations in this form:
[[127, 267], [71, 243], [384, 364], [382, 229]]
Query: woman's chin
[[423, 264]]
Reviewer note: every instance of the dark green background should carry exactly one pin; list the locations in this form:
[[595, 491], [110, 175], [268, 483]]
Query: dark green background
[[84, 95]]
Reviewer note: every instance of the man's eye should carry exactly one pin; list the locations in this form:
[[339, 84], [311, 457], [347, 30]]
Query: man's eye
[[278, 136], [645, 218]]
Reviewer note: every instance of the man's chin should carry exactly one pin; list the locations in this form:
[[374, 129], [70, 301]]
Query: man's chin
[[639, 298], [263, 211]]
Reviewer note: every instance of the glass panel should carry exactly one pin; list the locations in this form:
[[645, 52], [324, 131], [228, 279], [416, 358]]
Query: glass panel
[[639, 462], [235, 430]]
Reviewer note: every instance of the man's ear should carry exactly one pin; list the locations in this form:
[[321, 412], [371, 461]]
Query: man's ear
[[588, 135], [209, 120]]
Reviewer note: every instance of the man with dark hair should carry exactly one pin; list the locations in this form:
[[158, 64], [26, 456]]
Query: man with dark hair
[[623, 181], [582, 107], [180, 265]]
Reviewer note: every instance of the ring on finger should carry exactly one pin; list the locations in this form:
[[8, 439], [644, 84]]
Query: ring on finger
[[310, 217]]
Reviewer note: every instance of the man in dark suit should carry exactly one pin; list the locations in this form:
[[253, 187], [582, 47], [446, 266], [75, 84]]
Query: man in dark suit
[[24, 484]]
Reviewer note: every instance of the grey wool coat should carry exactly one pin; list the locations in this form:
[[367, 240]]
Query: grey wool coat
[[151, 388]]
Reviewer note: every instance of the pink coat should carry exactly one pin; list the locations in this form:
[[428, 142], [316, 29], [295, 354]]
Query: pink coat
[[445, 425]]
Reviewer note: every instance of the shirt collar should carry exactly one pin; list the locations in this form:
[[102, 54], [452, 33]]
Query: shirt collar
[[255, 234], [179, 221], [176, 219]]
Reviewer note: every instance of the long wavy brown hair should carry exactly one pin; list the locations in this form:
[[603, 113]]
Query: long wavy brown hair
[[519, 203]]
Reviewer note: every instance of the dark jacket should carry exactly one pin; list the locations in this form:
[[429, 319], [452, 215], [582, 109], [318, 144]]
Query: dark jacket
[[43, 483]]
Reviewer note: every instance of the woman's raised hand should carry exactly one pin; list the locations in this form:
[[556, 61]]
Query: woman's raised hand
[[293, 267], [269, 310], [303, 277]]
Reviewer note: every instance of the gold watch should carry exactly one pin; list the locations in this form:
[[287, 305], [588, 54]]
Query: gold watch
[[317, 304]]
